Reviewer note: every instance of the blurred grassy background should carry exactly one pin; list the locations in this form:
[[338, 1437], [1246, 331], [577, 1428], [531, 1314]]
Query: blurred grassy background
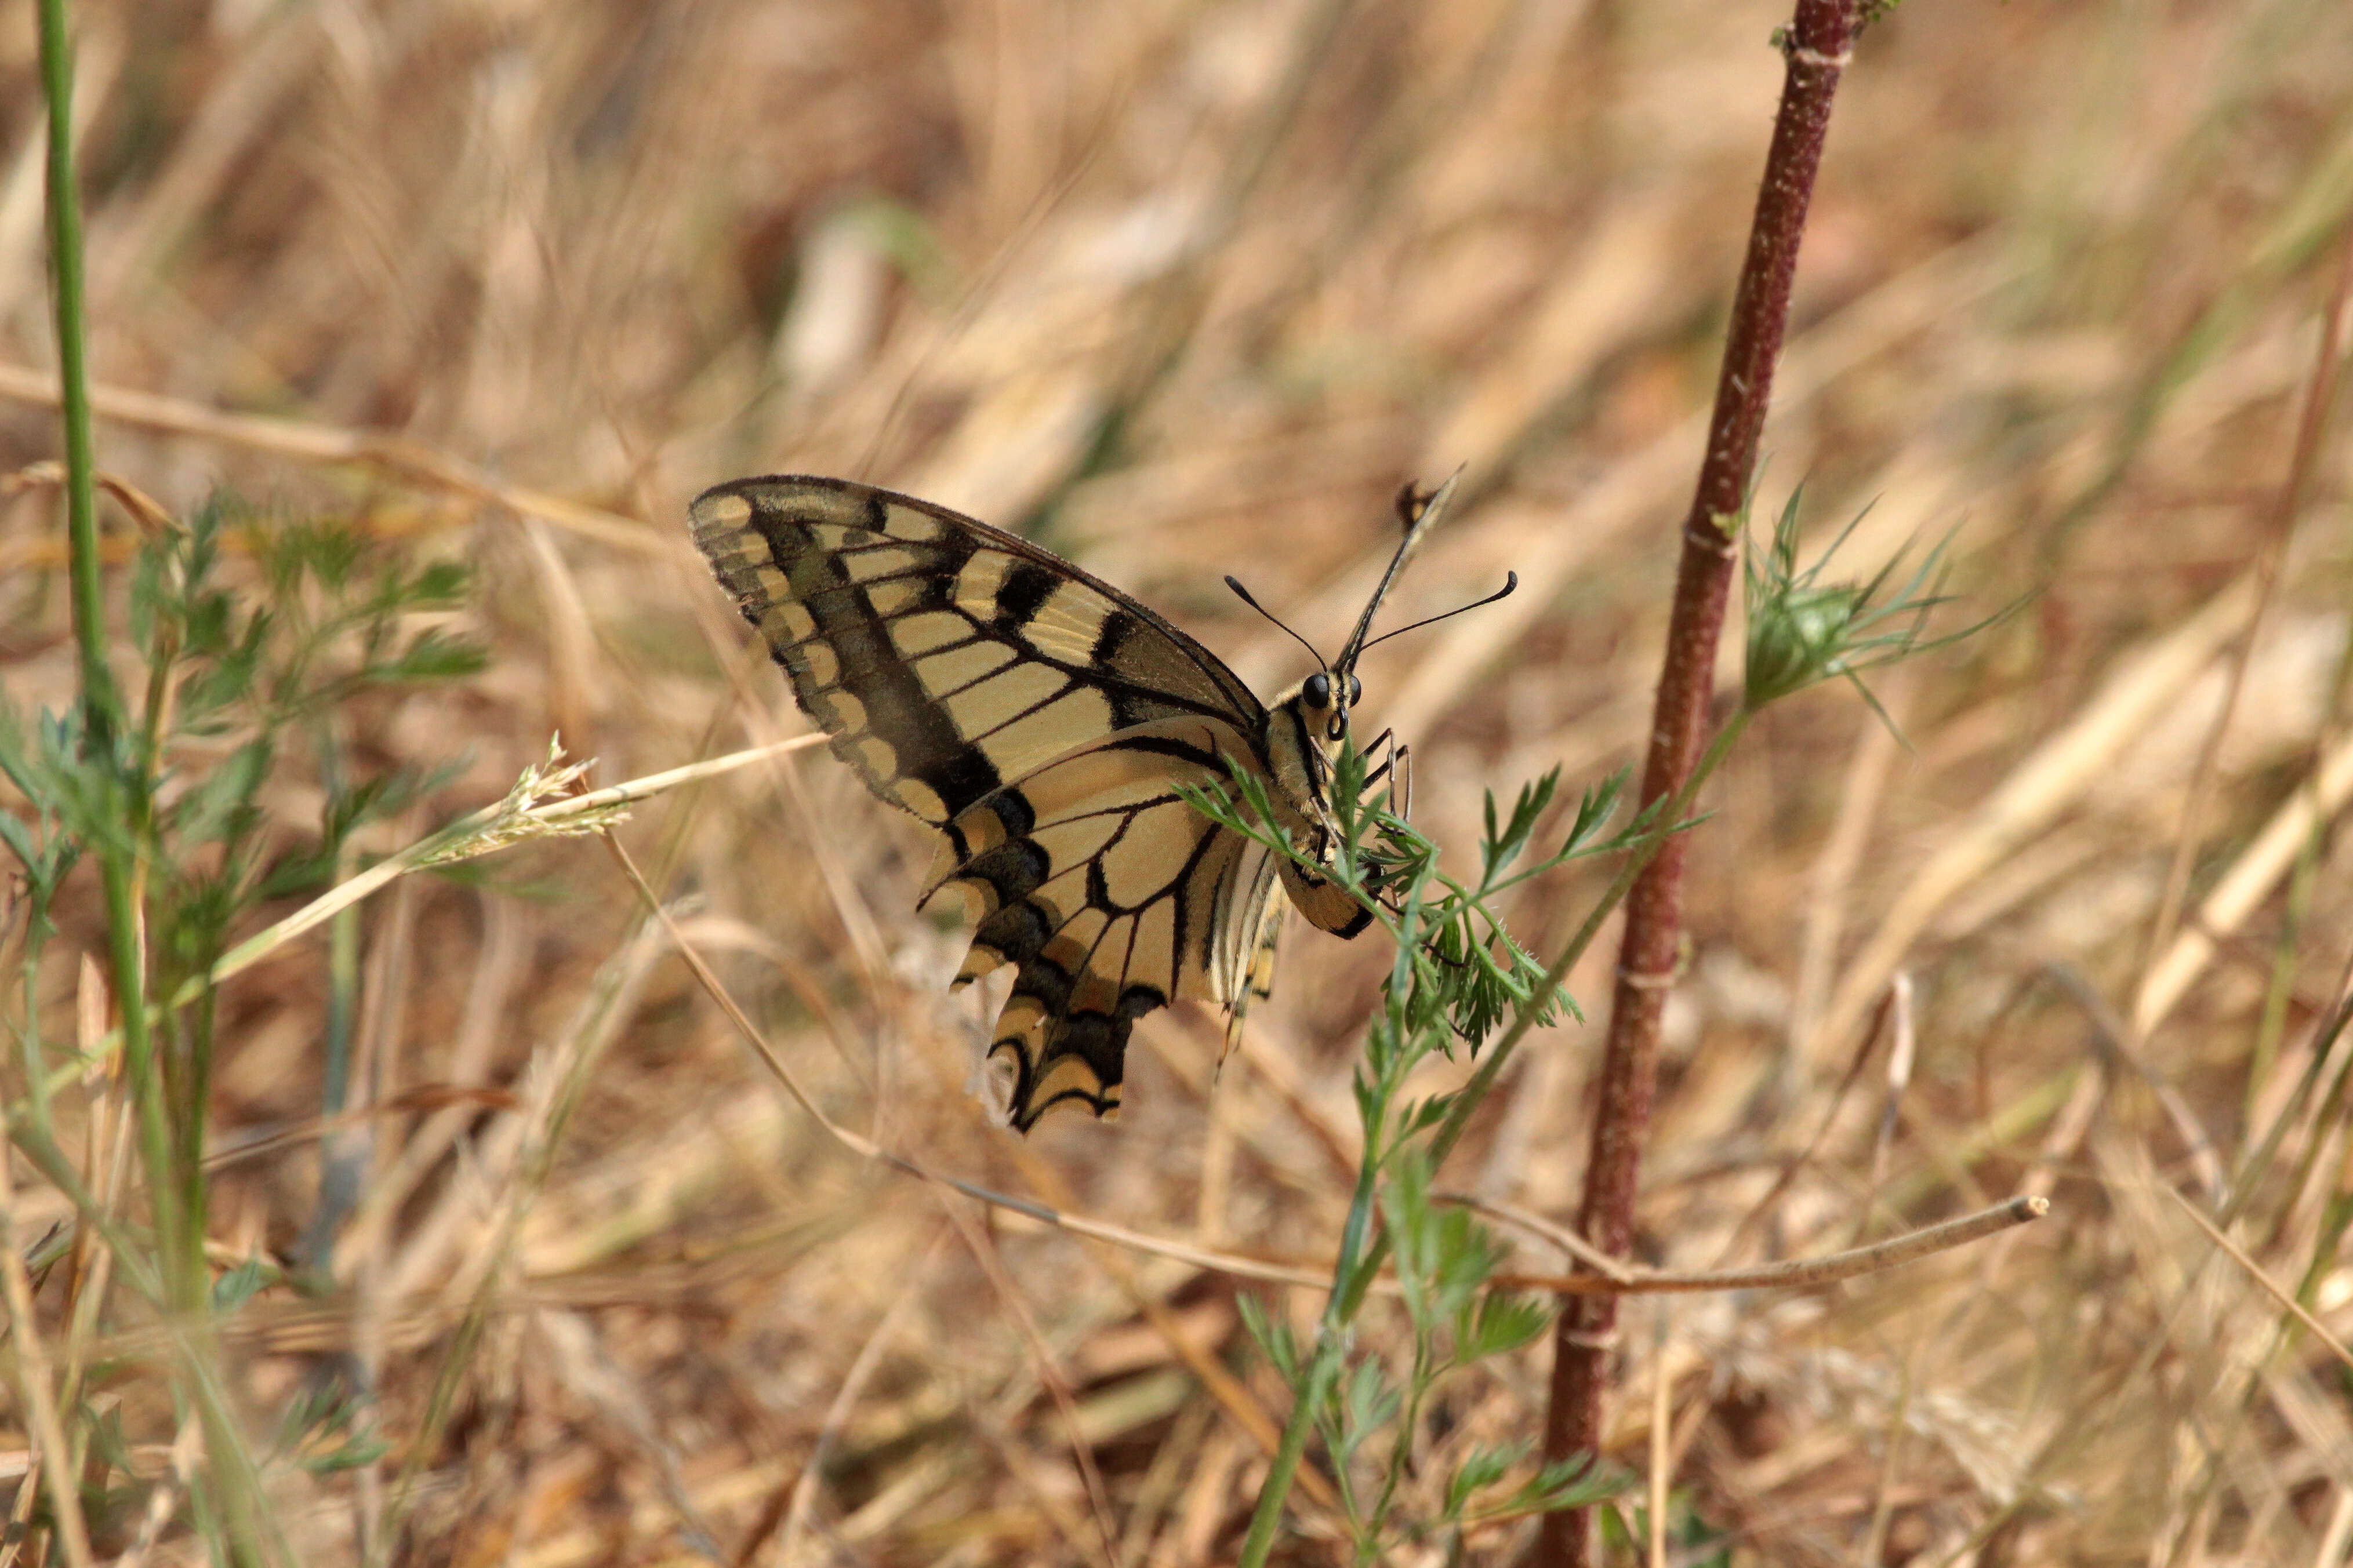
[[1184, 289]]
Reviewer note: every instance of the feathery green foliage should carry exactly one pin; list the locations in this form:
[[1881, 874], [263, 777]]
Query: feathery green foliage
[[254, 638], [1456, 974]]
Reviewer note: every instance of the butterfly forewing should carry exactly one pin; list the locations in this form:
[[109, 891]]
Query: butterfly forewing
[[945, 656], [1041, 720]]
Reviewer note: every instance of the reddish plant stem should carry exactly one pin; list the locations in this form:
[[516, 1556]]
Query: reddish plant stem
[[1816, 50]]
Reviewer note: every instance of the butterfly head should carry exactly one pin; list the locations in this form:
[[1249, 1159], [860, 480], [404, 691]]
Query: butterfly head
[[1325, 699]]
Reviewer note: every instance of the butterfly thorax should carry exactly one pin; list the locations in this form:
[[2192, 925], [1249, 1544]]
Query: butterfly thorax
[[1303, 728]]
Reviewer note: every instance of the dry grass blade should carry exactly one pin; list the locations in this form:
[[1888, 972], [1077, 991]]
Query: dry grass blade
[[2288, 1303], [321, 444], [526, 814], [803, 1497], [2281, 515], [38, 1389], [1802, 1273], [1057, 1386], [2251, 877], [866, 1148], [2059, 773]]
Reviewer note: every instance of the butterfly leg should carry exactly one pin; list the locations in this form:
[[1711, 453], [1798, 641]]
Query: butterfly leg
[[1396, 768]]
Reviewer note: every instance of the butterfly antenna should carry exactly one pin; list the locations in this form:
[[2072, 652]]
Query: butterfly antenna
[[1244, 595], [1419, 512], [1510, 581]]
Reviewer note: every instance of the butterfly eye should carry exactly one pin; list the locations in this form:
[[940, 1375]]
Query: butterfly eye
[[1355, 691], [1318, 690]]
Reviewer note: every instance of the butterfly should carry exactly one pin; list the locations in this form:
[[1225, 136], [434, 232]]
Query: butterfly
[[1040, 722]]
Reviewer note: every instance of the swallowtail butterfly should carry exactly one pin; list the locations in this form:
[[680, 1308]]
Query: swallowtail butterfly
[[1039, 721]]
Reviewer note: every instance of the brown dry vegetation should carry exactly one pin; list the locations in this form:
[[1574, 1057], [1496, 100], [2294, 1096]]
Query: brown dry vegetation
[[2062, 293]]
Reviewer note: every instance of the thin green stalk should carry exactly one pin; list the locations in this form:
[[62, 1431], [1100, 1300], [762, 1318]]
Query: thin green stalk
[[1314, 1387], [99, 692], [2253, 1167], [195, 1095], [106, 740], [101, 700], [2271, 1024], [1330, 1345], [337, 1185], [1408, 1422]]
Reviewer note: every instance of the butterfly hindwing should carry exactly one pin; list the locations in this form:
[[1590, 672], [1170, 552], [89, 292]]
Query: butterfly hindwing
[[1110, 895], [1041, 719]]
